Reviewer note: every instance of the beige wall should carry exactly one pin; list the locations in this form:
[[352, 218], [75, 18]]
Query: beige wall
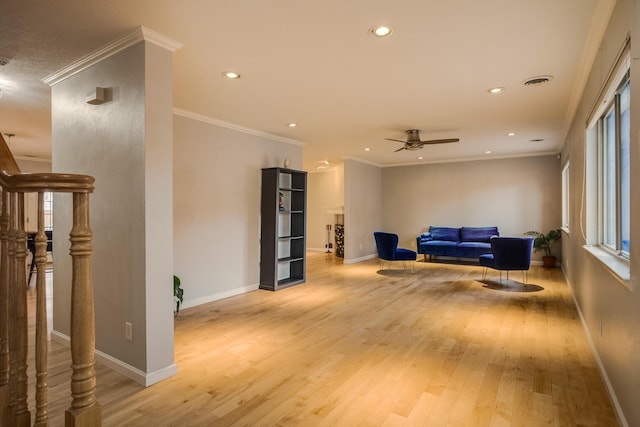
[[126, 145], [610, 310], [326, 191], [217, 206], [363, 209], [517, 195]]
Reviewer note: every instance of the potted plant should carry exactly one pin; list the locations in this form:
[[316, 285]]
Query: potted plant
[[178, 293], [542, 243]]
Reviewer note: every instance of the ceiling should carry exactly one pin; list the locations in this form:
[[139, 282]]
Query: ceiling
[[314, 63]]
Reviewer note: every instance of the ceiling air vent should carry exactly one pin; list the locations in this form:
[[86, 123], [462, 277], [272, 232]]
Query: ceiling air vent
[[535, 81]]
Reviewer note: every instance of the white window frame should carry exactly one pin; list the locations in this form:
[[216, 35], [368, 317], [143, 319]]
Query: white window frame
[[614, 259], [609, 181]]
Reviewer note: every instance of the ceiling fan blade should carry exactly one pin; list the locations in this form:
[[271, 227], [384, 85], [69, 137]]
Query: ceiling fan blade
[[396, 140], [440, 141], [400, 149]]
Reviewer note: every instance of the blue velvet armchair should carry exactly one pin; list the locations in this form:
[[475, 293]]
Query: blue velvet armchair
[[508, 253], [388, 250]]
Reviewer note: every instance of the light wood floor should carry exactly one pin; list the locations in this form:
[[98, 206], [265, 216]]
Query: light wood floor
[[355, 346]]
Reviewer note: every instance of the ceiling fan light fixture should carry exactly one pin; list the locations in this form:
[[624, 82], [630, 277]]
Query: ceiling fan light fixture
[[381, 31]]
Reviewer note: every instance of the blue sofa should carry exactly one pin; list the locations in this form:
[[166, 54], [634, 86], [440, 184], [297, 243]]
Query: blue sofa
[[464, 242]]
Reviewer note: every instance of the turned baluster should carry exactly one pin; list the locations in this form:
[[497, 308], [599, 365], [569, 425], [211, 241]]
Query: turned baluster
[[42, 346], [12, 311], [23, 416], [4, 307], [84, 410]]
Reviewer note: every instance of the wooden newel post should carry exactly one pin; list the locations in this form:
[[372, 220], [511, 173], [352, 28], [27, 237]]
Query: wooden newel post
[[84, 410]]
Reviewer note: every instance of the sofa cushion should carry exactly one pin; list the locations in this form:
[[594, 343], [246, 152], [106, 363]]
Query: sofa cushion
[[440, 248], [478, 234], [445, 233], [473, 249]]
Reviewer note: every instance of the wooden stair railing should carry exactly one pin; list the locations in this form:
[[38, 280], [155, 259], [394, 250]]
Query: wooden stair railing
[[14, 410]]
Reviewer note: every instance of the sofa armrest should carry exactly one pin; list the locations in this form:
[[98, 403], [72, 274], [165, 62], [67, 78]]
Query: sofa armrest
[[424, 237]]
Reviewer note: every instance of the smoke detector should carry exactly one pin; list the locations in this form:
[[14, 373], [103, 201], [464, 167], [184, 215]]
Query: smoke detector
[[538, 80]]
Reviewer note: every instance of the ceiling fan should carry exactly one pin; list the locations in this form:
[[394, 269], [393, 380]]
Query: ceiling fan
[[413, 141]]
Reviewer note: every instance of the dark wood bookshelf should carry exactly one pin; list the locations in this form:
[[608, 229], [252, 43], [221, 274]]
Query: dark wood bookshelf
[[283, 228]]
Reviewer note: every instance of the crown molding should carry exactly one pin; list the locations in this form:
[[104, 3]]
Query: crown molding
[[216, 122], [476, 159], [360, 160], [136, 36]]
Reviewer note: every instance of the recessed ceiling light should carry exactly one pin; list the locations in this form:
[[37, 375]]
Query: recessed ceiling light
[[511, 134], [380, 31], [292, 125], [367, 149], [487, 152], [420, 158], [496, 90], [230, 75]]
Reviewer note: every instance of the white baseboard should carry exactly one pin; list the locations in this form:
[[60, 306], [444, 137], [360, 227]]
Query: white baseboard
[[356, 260], [218, 296], [143, 378]]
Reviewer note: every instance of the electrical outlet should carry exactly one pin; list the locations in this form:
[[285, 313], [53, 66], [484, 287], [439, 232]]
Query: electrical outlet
[[128, 331]]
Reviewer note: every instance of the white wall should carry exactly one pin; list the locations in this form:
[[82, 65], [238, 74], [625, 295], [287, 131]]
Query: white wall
[[325, 192], [217, 173], [602, 299], [363, 209], [517, 195], [126, 145]]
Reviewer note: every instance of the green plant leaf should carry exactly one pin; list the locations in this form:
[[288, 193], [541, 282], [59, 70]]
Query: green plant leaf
[[178, 293]]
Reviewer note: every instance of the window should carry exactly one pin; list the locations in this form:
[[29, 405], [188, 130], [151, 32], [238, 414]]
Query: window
[[613, 130], [48, 211], [565, 197]]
